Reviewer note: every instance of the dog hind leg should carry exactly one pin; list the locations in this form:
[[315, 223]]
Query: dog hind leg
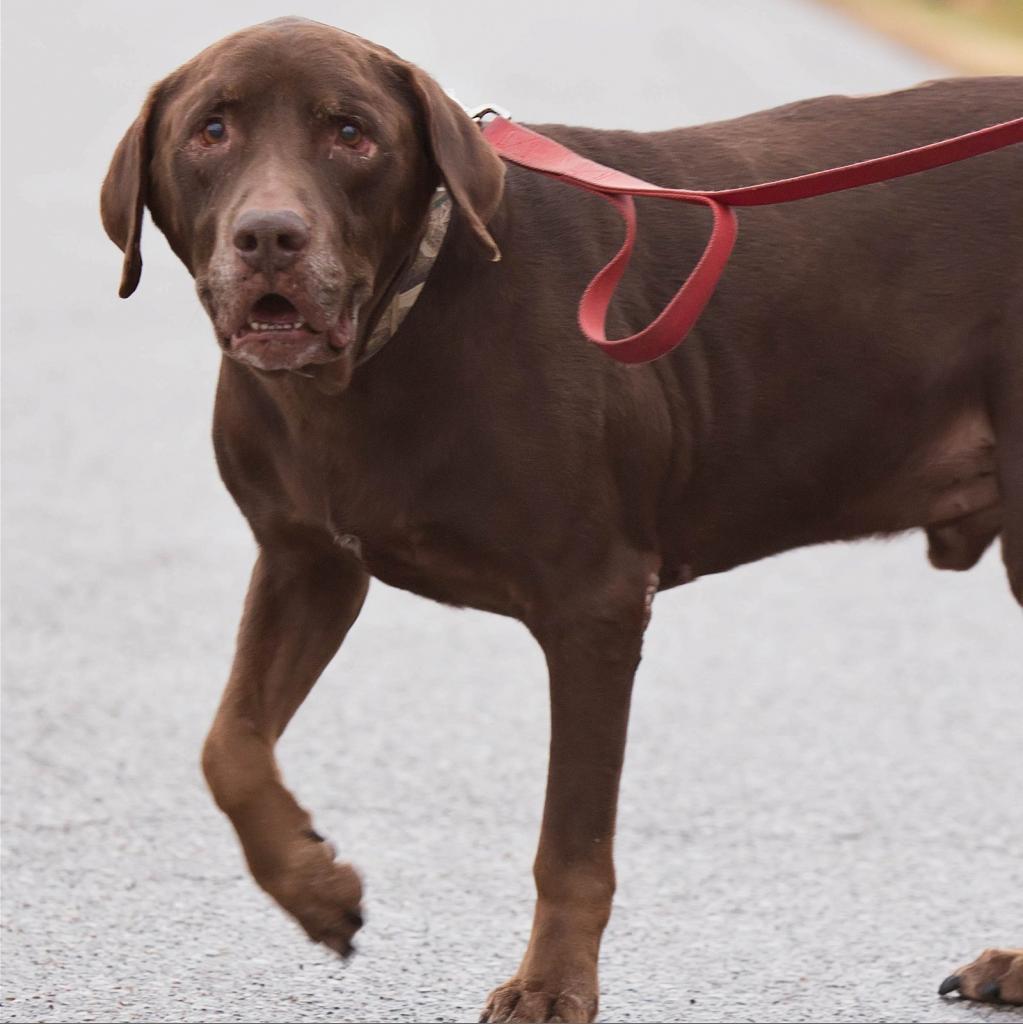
[[1007, 410], [996, 976]]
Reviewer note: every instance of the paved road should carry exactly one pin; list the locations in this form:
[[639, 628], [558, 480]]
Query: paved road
[[821, 808]]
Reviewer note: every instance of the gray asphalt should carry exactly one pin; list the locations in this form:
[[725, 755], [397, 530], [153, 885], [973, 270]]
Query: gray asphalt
[[821, 811]]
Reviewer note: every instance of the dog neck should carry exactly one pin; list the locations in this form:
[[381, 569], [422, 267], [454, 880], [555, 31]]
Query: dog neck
[[412, 279]]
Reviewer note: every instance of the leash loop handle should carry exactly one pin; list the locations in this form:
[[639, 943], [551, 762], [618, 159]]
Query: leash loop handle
[[678, 317], [536, 152]]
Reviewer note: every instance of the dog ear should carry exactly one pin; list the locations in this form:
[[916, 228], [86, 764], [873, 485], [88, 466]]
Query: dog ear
[[472, 172], [123, 197]]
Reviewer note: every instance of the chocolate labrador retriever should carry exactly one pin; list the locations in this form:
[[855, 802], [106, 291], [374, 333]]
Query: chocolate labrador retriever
[[860, 371]]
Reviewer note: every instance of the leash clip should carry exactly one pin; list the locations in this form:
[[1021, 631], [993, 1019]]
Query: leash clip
[[479, 113]]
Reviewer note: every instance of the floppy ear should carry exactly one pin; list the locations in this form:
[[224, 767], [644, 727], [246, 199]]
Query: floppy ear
[[123, 198], [472, 171]]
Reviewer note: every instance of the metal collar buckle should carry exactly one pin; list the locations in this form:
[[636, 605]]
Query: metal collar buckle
[[479, 113]]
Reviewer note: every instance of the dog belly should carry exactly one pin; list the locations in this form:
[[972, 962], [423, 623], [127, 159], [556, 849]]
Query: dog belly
[[943, 481], [951, 479]]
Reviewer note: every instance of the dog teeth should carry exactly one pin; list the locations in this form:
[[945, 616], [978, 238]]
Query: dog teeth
[[258, 325]]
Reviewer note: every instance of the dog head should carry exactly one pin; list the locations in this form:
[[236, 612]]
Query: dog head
[[291, 167]]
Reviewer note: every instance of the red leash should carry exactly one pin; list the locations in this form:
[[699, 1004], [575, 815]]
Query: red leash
[[538, 153]]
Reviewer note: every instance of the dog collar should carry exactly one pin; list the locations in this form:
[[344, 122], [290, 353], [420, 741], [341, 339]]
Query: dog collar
[[412, 279]]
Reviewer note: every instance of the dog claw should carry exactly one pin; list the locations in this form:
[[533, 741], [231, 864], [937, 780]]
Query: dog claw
[[343, 947], [950, 984], [311, 833]]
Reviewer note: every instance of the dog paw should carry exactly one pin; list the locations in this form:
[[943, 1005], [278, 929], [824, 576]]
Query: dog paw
[[322, 895], [526, 1002], [996, 976]]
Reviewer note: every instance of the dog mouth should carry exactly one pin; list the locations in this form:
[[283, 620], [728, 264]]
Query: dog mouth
[[274, 312], [277, 335]]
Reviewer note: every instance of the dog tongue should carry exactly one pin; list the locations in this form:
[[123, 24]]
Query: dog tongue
[[274, 309]]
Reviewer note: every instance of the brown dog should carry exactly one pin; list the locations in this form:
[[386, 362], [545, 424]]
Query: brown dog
[[860, 371]]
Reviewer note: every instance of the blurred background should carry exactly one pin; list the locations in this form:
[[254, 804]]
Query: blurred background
[[820, 813], [980, 37]]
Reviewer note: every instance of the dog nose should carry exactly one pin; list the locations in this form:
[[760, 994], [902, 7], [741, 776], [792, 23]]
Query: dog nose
[[270, 240]]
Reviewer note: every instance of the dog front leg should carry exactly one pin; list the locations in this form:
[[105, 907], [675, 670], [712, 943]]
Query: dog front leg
[[592, 653], [301, 603]]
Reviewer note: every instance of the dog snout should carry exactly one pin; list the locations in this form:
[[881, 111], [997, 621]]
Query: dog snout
[[270, 240]]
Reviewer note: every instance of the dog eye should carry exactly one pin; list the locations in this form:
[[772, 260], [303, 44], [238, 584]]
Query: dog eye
[[214, 131], [350, 133]]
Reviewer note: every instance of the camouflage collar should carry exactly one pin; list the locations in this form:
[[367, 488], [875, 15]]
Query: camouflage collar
[[412, 279]]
